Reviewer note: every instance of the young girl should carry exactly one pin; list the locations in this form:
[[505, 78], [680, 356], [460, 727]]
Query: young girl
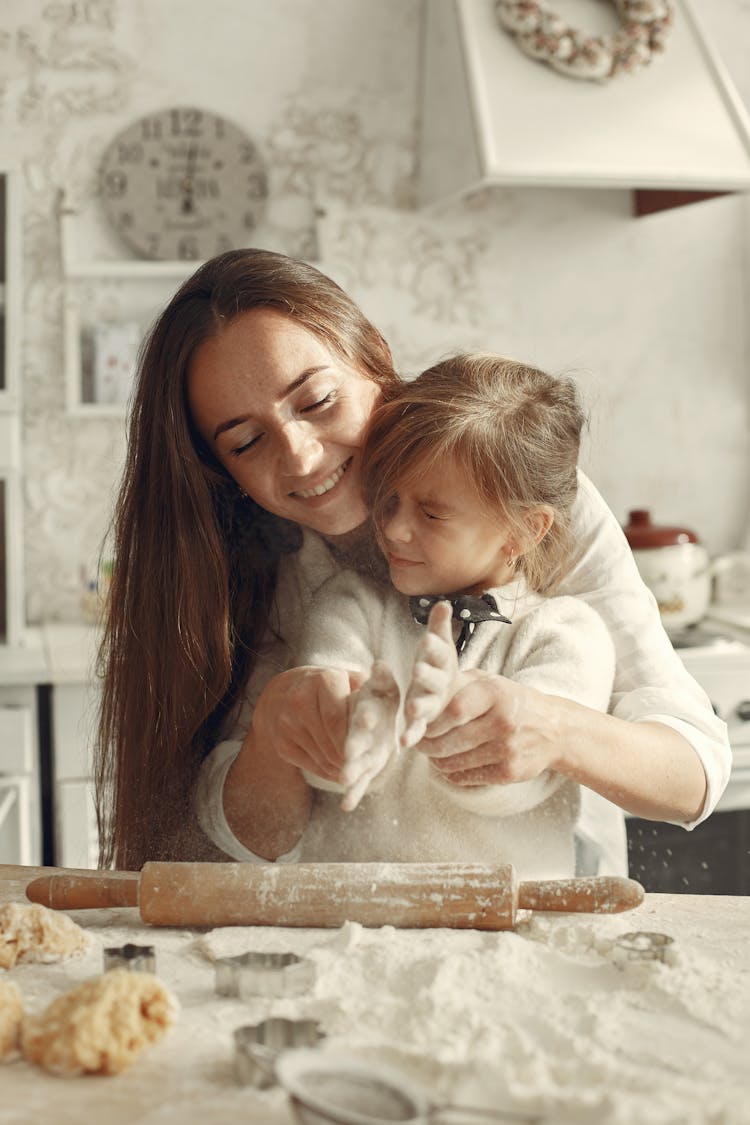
[[470, 473]]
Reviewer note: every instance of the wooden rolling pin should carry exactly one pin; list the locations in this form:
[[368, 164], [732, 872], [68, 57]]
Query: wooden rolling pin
[[409, 895]]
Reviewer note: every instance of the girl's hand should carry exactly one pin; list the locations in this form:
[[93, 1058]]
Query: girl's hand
[[494, 731], [303, 714], [434, 676], [371, 738]]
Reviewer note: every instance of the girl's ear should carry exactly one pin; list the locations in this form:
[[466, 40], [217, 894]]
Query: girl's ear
[[538, 521]]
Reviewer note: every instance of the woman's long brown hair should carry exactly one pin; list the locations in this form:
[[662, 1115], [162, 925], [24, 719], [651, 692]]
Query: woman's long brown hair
[[195, 561]]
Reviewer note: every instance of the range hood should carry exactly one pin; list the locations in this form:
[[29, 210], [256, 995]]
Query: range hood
[[492, 115]]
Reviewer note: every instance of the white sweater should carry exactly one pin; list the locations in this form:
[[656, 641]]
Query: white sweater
[[409, 813], [651, 683]]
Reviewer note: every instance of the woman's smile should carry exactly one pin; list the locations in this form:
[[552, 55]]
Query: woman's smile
[[326, 487]]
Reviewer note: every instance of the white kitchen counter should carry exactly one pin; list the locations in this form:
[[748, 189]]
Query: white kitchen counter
[[70, 651], [53, 653], [24, 664]]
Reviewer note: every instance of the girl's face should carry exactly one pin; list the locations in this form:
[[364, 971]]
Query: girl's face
[[285, 417], [439, 539]]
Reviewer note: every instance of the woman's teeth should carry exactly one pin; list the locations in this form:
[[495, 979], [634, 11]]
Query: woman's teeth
[[327, 485]]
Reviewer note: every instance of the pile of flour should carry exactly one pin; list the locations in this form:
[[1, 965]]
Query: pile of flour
[[547, 1018]]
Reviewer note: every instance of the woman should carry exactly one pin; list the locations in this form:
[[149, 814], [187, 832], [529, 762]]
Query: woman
[[254, 391]]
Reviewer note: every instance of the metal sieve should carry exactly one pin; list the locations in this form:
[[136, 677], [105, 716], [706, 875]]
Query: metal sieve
[[331, 1088]]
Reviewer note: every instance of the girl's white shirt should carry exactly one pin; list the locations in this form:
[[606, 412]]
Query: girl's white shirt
[[651, 683]]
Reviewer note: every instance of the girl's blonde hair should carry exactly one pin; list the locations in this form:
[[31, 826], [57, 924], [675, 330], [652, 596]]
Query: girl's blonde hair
[[514, 429]]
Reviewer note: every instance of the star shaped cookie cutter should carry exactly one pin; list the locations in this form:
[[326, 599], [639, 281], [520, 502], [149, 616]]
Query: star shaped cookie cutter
[[264, 974]]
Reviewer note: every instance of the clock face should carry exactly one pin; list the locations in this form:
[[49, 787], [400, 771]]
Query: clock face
[[183, 183]]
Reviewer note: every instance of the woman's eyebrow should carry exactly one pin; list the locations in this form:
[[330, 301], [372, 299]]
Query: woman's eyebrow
[[288, 390]]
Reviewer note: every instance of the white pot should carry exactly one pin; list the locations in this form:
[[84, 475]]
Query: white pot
[[675, 566], [679, 577]]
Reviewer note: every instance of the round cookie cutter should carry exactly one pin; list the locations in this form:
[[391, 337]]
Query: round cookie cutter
[[136, 958], [264, 974], [258, 1046], [643, 945]]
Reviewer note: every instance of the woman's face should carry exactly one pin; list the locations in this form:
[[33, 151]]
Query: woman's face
[[285, 417]]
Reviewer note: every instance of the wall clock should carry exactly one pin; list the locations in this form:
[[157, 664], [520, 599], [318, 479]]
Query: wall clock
[[183, 183]]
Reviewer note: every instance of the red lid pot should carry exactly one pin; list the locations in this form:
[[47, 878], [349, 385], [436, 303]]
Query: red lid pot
[[642, 534]]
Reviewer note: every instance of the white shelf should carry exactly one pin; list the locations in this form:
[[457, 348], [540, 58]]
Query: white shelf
[[135, 289], [124, 282], [492, 115]]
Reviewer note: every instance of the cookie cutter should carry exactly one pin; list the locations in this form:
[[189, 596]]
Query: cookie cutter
[[136, 958], [643, 945], [264, 974], [258, 1046]]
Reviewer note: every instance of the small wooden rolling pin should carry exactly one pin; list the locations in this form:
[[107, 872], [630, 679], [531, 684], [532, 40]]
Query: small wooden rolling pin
[[408, 895]]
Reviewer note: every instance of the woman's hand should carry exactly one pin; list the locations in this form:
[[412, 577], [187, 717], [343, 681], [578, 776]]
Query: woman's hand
[[493, 731], [299, 722], [304, 714]]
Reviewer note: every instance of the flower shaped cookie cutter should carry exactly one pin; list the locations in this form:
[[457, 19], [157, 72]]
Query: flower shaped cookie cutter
[[643, 945], [264, 974], [257, 1047]]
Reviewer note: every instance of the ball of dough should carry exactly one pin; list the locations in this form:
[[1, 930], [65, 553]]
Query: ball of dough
[[101, 1026], [31, 932], [11, 1015]]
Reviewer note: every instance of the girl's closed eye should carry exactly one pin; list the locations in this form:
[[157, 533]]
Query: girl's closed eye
[[432, 515]]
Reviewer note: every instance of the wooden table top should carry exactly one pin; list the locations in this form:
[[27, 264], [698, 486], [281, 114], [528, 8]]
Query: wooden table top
[[585, 1040]]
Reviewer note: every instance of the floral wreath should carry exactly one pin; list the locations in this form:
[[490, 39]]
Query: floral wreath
[[545, 36]]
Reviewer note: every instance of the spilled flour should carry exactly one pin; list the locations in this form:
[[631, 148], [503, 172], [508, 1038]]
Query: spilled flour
[[547, 1018]]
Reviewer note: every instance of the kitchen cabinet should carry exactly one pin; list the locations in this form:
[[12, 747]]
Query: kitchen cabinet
[[20, 795], [11, 508], [492, 115], [74, 696], [21, 789]]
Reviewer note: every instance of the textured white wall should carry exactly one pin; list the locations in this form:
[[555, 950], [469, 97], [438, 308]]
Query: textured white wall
[[650, 314]]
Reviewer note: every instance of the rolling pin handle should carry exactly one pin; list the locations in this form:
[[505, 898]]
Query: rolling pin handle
[[597, 894], [84, 892]]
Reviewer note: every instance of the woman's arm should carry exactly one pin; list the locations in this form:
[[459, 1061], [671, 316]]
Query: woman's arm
[[496, 730], [652, 685]]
